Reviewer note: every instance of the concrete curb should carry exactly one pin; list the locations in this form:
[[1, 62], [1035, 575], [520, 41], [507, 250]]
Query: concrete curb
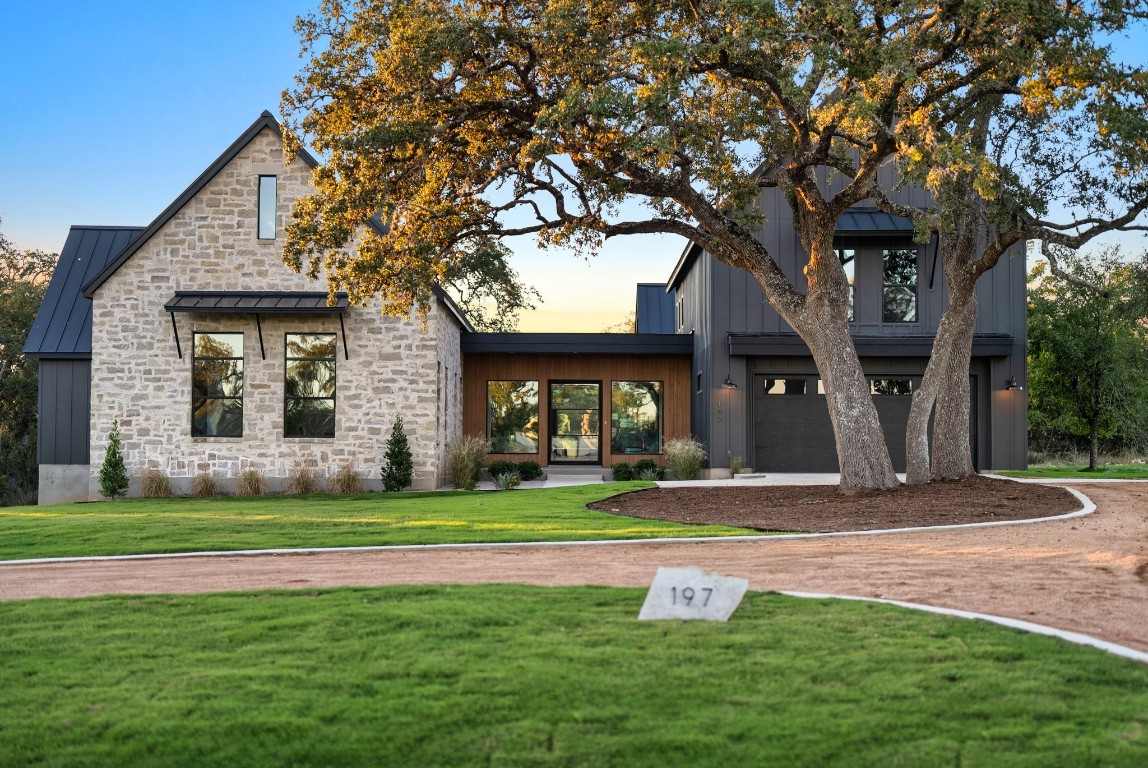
[[1024, 626], [1087, 508]]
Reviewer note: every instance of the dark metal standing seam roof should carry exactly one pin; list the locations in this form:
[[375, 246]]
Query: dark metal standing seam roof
[[260, 302], [655, 309], [63, 324]]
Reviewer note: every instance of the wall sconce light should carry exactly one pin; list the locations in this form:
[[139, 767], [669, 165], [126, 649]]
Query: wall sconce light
[[728, 383], [1012, 386]]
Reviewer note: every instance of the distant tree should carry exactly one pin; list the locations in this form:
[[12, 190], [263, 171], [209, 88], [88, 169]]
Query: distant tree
[[113, 474], [1088, 351], [489, 292], [399, 469], [23, 279], [629, 324]]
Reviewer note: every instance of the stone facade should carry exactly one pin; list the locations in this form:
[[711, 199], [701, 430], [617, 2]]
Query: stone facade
[[391, 366]]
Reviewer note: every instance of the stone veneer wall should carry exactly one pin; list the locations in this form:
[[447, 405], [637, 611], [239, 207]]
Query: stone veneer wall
[[211, 244]]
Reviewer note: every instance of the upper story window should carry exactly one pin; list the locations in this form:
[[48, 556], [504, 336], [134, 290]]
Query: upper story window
[[899, 289], [217, 385], [267, 200], [848, 258], [310, 390]]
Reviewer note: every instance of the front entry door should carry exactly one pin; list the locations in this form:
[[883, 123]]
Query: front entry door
[[575, 410]]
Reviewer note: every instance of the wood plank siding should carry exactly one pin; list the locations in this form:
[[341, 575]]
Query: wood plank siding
[[672, 370]]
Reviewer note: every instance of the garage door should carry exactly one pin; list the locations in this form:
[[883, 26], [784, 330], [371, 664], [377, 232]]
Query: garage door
[[791, 425]]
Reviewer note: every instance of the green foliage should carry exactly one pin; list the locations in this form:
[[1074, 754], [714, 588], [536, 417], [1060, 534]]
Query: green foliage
[[563, 676], [685, 457], [529, 470], [23, 280], [735, 465], [623, 471], [464, 461], [507, 481], [399, 470], [143, 526], [501, 467], [1088, 353], [645, 465], [113, 474]]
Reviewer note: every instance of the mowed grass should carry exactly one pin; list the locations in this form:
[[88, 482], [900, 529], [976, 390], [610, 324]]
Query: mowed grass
[[529, 676], [1105, 472], [149, 526]]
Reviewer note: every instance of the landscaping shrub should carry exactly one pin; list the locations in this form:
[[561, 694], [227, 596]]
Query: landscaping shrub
[[735, 465], [464, 461], [529, 470], [650, 474], [622, 471], [501, 468], [507, 481], [646, 466], [113, 475], [347, 480], [685, 457], [399, 470], [250, 483], [303, 480], [204, 485], [154, 484]]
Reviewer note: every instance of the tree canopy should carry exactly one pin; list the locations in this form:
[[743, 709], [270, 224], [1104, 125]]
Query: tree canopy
[[466, 121]]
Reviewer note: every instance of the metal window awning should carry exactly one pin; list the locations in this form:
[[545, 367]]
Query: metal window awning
[[870, 221], [257, 303]]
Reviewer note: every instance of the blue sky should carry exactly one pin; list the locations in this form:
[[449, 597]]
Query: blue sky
[[112, 109]]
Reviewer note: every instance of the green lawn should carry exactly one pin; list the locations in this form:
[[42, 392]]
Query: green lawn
[[146, 526], [531, 676], [1105, 472]]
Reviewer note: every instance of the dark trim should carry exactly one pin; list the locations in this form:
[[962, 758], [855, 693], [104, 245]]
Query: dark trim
[[537, 416], [343, 333], [259, 207], [685, 263], [551, 423], [580, 343], [265, 121], [175, 332], [661, 416], [58, 355], [243, 361], [259, 328], [791, 345], [452, 307], [286, 398], [256, 302]]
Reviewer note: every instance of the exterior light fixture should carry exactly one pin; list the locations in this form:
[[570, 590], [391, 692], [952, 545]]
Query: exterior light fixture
[[728, 383], [1011, 385]]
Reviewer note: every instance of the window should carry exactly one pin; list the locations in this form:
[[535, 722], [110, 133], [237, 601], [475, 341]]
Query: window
[[636, 417], [512, 416], [848, 258], [267, 200], [785, 386], [899, 294], [890, 386], [309, 410], [217, 385]]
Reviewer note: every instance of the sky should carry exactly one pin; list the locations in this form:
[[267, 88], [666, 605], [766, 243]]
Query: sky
[[112, 109]]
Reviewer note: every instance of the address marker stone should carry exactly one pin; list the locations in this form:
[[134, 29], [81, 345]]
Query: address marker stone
[[690, 593]]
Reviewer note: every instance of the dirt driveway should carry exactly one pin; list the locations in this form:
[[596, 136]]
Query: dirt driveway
[[1087, 574]]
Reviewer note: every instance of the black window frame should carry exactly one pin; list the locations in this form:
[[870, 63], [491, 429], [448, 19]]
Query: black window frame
[[885, 286], [196, 358], [287, 399], [537, 417], [661, 418], [852, 260], [259, 233]]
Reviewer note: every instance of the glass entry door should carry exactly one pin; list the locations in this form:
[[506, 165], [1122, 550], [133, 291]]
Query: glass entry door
[[574, 423]]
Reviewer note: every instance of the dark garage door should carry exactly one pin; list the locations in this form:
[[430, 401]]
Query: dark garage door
[[791, 422]]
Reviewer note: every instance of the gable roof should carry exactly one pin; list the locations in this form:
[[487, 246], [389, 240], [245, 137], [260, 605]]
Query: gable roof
[[63, 324], [654, 312], [266, 120]]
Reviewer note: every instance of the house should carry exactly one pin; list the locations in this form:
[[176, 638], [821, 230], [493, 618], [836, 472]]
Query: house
[[213, 357]]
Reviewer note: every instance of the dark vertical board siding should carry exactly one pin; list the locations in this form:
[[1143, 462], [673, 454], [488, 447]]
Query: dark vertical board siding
[[65, 387], [81, 411]]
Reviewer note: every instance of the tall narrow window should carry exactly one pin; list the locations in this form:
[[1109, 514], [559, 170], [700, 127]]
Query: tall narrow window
[[899, 295], [267, 207], [217, 385], [636, 417], [848, 258], [512, 416], [310, 390]]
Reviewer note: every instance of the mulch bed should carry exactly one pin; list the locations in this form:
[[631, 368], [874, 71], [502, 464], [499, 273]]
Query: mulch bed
[[824, 509]]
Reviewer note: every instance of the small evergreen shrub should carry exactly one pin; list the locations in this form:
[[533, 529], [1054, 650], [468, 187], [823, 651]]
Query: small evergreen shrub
[[464, 461], [507, 481], [685, 457], [501, 468], [622, 471], [250, 483], [303, 480], [154, 484], [735, 465], [204, 485], [113, 474], [645, 466], [399, 470], [529, 470], [347, 480]]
